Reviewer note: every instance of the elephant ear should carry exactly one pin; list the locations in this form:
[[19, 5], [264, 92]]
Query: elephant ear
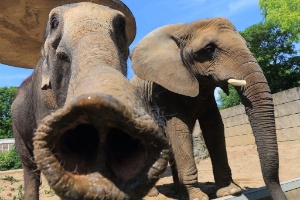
[[157, 58]]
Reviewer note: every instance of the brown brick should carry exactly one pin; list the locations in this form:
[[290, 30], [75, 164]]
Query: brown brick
[[230, 142], [285, 122], [249, 139], [298, 132], [292, 94], [234, 121], [239, 110], [295, 107], [228, 132], [296, 120], [243, 140], [280, 137], [243, 129], [236, 131], [283, 110], [239, 120], [290, 134], [245, 119], [237, 141], [280, 98], [229, 122], [276, 99], [276, 111]]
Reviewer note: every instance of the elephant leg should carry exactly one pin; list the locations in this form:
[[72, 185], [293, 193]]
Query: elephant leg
[[154, 192], [31, 173], [180, 136], [31, 183], [174, 172], [213, 132]]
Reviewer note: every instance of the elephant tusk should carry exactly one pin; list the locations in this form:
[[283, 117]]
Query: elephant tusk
[[235, 82]]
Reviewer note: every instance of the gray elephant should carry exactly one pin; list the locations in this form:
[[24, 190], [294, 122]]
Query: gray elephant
[[78, 119], [177, 68]]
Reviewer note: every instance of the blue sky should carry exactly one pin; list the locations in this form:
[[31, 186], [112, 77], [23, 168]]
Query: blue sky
[[152, 14]]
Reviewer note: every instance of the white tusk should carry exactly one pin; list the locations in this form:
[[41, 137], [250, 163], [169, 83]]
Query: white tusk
[[235, 82]]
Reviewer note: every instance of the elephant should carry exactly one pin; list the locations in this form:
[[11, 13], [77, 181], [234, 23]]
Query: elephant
[[177, 67], [77, 118]]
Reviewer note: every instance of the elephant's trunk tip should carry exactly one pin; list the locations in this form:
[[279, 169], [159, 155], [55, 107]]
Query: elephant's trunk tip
[[98, 135]]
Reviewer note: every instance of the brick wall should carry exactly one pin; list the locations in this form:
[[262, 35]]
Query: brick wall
[[238, 131], [287, 115]]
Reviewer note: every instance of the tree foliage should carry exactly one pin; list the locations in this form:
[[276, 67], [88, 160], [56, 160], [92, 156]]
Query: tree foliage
[[230, 100], [277, 56], [6, 99], [10, 160], [283, 12]]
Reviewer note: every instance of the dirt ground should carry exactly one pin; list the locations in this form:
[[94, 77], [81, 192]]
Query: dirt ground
[[243, 161]]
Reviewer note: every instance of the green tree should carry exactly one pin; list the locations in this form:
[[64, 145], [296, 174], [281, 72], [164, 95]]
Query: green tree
[[10, 160], [276, 54], [283, 12], [230, 100], [6, 99]]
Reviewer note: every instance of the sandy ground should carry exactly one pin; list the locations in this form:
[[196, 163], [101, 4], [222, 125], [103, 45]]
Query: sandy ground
[[243, 161]]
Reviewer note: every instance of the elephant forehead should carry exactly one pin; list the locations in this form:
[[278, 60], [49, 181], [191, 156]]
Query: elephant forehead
[[213, 24], [202, 37], [74, 13], [88, 18]]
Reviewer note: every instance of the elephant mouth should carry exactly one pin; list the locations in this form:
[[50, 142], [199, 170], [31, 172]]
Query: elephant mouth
[[96, 142]]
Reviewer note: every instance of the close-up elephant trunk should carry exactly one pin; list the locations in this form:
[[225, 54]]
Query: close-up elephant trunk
[[97, 148], [178, 67], [77, 119]]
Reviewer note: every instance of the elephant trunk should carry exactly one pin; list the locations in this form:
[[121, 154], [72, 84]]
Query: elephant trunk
[[97, 148], [101, 144], [258, 102]]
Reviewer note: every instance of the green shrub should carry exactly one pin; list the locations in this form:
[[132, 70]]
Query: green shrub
[[10, 160]]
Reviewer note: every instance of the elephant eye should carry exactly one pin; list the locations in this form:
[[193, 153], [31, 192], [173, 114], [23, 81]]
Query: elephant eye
[[209, 50], [54, 22], [205, 54]]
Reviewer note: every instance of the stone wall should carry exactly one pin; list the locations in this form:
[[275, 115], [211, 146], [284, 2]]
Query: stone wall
[[287, 115], [239, 132]]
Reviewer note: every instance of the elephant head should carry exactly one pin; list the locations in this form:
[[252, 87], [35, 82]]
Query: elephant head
[[190, 59], [100, 143]]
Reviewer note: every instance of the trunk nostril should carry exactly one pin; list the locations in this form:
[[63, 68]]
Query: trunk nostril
[[77, 148], [80, 150], [82, 140], [126, 155]]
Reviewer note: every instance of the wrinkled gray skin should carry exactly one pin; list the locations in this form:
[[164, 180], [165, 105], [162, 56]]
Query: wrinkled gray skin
[[181, 65], [93, 139]]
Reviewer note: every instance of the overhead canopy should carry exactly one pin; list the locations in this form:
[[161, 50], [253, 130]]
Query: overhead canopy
[[22, 25]]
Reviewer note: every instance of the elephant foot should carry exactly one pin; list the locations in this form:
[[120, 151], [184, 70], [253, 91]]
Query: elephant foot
[[153, 192], [198, 195], [232, 189]]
